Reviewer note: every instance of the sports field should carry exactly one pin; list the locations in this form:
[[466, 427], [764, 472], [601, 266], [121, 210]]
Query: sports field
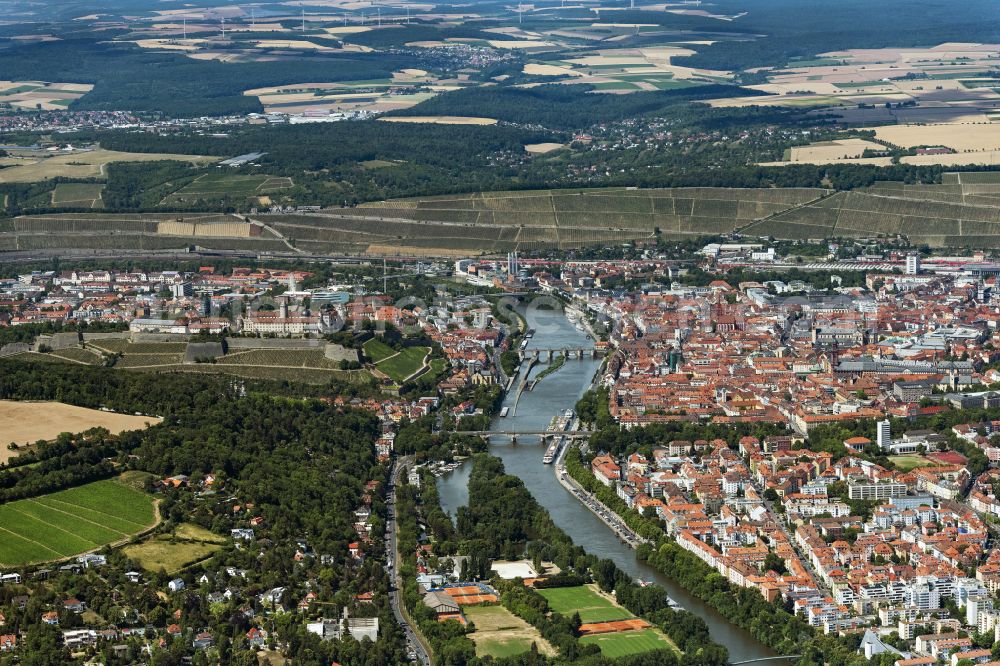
[[73, 521], [500, 633], [585, 600], [625, 643], [907, 463]]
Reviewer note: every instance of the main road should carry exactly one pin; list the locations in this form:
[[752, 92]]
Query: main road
[[414, 639]]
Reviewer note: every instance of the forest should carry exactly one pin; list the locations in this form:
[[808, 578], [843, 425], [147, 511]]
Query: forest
[[563, 107], [179, 86], [302, 463]]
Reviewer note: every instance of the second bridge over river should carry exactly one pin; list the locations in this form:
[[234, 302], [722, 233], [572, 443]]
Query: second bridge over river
[[542, 435], [569, 352]]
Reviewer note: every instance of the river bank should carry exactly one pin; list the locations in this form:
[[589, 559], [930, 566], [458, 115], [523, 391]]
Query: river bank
[[536, 408]]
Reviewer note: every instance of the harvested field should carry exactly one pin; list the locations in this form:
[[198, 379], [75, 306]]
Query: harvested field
[[83, 164], [983, 157], [542, 148], [73, 521], [29, 422], [960, 137], [833, 151]]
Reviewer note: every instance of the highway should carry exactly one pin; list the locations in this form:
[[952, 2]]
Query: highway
[[415, 642]]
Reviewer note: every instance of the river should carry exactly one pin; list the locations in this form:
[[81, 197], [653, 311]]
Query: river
[[557, 392]]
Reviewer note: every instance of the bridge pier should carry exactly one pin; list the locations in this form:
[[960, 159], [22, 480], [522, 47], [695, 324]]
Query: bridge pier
[[513, 439]]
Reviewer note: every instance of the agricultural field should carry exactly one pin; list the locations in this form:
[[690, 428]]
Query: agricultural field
[[938, 215], [32, 166], [77, 355], [404, 364], [496, 222], [73, 521], [624, 70], [404, 89], [948, 80], [280, 358], [377, 350], [278, 373], [186, 545], [78, 195], [457, 225], [42, 95], [500, 633], [625, 643], [29, 422], [585, 600], [961, 137], [504, 221], [212, 185]]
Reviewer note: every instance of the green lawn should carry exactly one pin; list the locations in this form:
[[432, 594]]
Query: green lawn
[[72, 521], [591, 606], [404, 364], [628, 642], [377, 350], [172, 552]]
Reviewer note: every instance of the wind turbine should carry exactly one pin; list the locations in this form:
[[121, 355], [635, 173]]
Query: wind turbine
[[223, 21], [303, 19], [184, 23], [253, 19], [379, 10]]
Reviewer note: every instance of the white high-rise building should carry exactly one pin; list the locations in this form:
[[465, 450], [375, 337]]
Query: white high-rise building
[[913, 263], [884, 435], [512, 266]]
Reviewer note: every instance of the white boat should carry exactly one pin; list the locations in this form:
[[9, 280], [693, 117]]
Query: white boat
[[552, 451]]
